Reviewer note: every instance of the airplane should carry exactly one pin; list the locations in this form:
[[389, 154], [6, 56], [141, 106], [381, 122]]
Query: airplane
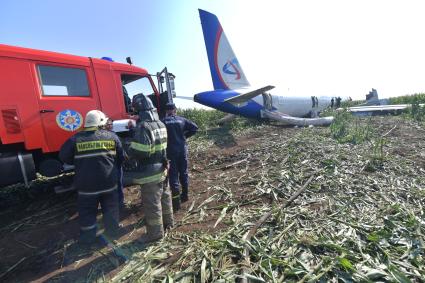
[[233, 94]]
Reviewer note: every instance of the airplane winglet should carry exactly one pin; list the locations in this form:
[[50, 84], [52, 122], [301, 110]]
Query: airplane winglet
[[243, 98]]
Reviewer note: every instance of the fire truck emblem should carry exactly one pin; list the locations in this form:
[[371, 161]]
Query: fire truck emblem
[[69, 120]]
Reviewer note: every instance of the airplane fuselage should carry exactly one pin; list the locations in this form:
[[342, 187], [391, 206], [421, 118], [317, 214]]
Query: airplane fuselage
[[292, 106]]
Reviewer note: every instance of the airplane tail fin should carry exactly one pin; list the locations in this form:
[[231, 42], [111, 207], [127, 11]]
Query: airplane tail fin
[[226, 71], [372, 98]]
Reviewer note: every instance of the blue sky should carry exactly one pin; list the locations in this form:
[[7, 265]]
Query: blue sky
[[305, 47]]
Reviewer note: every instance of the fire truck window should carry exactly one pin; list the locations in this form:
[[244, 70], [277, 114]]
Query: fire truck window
[[136, 84], [132, 85], [60, 81]]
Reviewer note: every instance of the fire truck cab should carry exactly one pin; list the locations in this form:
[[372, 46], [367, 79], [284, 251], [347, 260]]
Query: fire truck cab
[[44, 97]]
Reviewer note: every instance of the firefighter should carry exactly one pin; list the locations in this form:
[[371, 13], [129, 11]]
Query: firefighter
[[96, 154], [110, 127], [147, 151], [178, 129]]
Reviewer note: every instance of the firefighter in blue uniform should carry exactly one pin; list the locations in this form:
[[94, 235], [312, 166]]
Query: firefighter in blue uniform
[[178, 129], [147, 153], [96, 154]]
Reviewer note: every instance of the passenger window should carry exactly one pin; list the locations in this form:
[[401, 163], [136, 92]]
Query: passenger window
[[60, 81]]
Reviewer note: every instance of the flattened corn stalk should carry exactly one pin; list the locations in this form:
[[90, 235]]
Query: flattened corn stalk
[[254, 229]]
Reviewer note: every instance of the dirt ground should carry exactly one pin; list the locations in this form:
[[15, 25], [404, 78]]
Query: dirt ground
[[38, 237]]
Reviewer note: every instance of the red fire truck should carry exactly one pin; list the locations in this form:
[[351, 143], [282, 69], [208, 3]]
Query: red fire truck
[[44, 97]]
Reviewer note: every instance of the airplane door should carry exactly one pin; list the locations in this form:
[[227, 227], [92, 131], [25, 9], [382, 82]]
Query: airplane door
[[65, 96], [267, 101]]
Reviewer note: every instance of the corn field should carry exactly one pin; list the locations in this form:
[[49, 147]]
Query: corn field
[[298, 205], [267, 204]]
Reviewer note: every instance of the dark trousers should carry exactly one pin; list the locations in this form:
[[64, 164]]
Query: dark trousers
[[87, 211], [120, 186], [178, 173]]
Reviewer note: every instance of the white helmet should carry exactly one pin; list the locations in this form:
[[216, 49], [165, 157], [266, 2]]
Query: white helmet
[[95, 118]]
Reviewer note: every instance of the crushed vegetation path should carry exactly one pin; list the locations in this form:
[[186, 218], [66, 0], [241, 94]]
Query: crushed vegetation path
[[268, 204], [357, 220]]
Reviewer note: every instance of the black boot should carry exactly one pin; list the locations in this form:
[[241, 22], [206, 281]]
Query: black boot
[[175, 199], [184, 196], [176, 203]]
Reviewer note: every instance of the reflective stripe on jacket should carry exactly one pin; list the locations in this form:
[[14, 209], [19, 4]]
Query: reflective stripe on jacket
[[149, 143], [96, 155], [148, 149], [153, 173]]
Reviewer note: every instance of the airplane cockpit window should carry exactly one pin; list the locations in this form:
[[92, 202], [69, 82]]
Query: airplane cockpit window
[[132, 85]]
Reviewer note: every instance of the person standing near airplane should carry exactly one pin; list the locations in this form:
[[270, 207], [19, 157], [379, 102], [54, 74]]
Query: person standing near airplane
[[148, 150], [178, 130], [332, 102], [96, 153], [338, 102]]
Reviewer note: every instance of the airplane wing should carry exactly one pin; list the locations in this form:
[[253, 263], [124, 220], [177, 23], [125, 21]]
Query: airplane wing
[[379, 109], [185, 97], [243, 98]]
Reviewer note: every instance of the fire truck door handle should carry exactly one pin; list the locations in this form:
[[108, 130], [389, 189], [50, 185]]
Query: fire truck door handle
[[46, 111]]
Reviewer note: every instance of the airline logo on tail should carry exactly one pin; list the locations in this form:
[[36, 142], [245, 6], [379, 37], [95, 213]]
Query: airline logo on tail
[[231, 68]]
